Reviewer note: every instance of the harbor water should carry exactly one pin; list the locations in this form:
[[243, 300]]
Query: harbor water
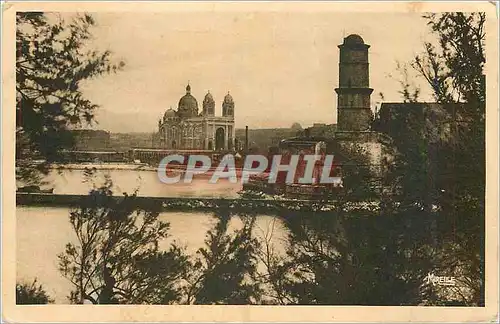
[[42, 233]]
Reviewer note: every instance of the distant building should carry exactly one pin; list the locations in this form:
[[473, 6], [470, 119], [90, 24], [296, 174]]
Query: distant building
[[91, 140], [433, 119], [320, 130], [260, 139], [186, 128], [127, 141]]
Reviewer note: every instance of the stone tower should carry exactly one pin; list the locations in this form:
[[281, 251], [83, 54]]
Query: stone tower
[[353, 105]]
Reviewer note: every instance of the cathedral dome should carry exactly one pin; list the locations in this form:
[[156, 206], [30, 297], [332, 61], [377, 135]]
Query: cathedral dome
[[353, 39], [188, 102], [188, 105]]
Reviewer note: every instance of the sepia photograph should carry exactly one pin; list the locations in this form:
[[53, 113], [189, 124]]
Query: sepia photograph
[[250, 154]]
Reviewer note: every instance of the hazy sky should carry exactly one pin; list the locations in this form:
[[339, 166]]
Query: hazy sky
[[280, 67]]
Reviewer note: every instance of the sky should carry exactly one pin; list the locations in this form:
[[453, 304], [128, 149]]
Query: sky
[[280, 67]]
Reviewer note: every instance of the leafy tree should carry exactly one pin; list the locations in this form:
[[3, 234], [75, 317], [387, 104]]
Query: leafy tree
[[454, 71], [357, 253], [345, 259], [409, 91], [33, 293], [361, 253], [117, 258], [224, 271], [52, 61], [438, 167]]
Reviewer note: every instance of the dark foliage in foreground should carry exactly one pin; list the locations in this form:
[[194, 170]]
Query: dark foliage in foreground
[[52, 62], [121, 257], [223, 272], [31, 294]]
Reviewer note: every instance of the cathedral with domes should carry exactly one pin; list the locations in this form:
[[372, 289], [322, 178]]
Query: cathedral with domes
[[188, 129]]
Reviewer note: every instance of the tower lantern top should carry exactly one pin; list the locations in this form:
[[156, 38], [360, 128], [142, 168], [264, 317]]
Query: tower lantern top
[[354, 41]]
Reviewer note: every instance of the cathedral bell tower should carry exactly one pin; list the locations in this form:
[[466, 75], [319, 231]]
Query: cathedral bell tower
[[228, 106], [208, 105], [353, 105]]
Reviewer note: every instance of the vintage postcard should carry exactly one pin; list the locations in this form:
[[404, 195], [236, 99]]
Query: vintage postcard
[[249, 162]]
